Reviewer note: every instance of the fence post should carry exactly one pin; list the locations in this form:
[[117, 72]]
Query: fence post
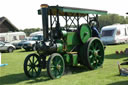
[[0, 61]]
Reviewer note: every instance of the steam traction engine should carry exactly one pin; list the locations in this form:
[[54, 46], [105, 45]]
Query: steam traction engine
[[67, 41]]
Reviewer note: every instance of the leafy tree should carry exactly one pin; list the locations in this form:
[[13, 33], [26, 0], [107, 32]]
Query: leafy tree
[[28, 31]]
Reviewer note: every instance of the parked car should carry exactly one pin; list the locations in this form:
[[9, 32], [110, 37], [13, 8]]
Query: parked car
[[19, 44], [30, 44], [15, 43], [6, 47]]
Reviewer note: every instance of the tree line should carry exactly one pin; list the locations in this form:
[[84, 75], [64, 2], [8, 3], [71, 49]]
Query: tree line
[[28, 31], [110, 19]]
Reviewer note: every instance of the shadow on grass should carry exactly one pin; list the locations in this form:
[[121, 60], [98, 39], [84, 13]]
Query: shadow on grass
[[12, 79], [119, 83], [75, 70], [68, 71], [25, 51], [116, 56], [17, 78], [22, 51]]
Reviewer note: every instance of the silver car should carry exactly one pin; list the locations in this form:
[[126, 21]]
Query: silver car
[[31, 43], [6, 47]]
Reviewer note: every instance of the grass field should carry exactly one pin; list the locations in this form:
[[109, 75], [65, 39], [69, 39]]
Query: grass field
[[13, 73]]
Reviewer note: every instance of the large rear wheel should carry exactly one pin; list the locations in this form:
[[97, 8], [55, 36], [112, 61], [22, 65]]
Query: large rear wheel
[[92, 53]]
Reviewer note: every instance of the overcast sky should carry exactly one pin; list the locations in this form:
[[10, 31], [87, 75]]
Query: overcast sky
[[23, 13]]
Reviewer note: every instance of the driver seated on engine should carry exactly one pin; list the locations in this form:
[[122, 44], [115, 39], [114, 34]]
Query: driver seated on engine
[[95, 32]]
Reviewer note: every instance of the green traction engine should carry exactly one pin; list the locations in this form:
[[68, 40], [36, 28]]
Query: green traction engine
[[67, 41]]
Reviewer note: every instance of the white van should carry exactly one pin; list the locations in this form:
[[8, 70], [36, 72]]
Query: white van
[[114, 34], [12, 36]]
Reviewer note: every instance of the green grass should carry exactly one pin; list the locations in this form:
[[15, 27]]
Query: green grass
[[13, 73]]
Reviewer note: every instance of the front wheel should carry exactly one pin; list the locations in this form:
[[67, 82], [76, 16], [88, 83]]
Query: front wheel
[[32, 66], [56, 66]]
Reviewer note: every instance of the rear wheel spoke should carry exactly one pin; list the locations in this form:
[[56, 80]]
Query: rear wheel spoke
[[91, 56]]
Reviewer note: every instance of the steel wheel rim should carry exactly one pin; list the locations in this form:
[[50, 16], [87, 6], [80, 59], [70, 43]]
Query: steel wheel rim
[[56, 67], [95, 54]]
